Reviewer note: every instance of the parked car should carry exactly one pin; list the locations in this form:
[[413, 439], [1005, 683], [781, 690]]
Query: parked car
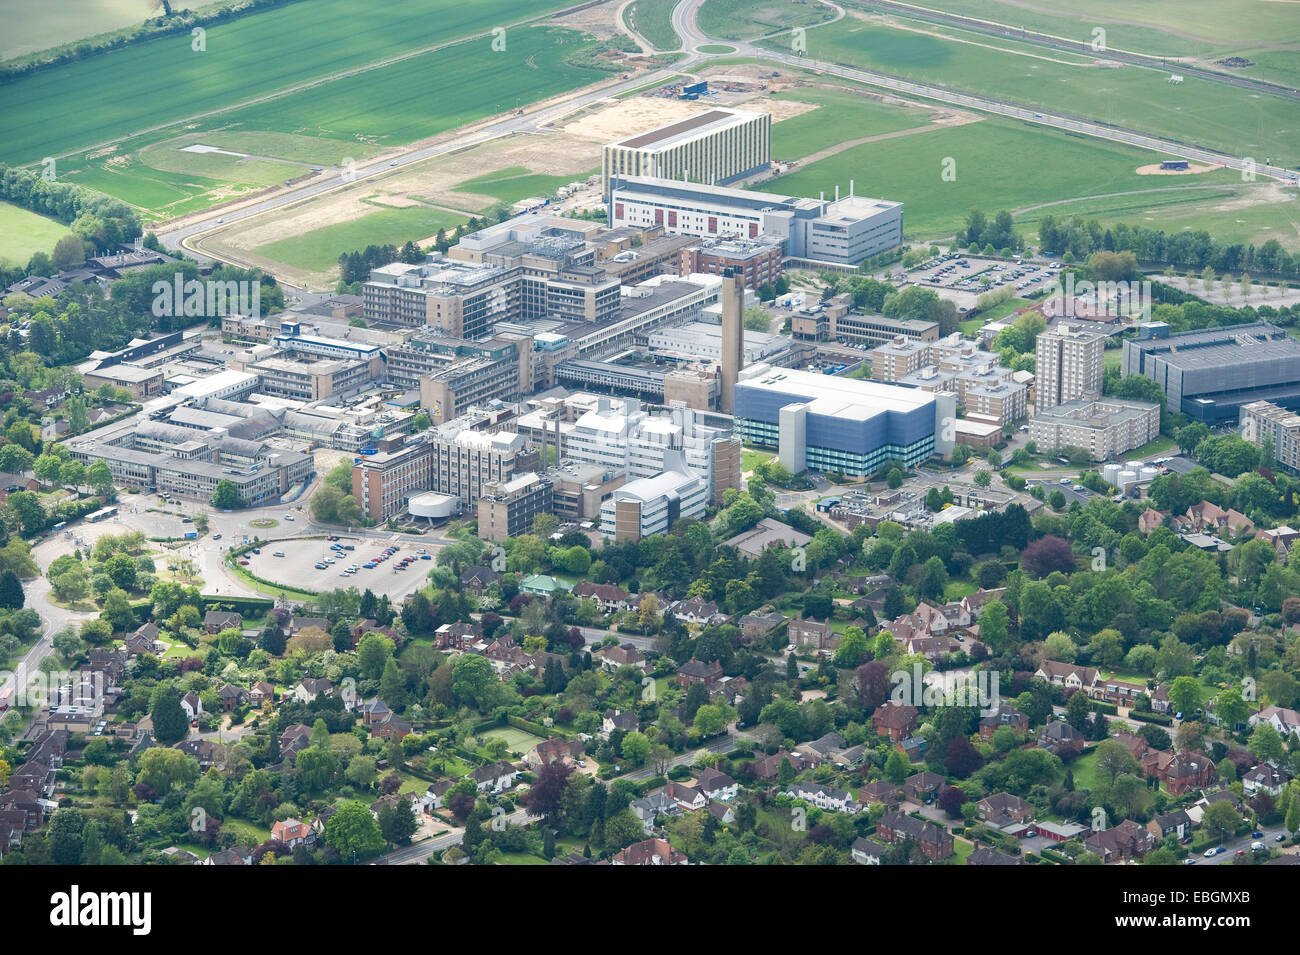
[[278, 553]]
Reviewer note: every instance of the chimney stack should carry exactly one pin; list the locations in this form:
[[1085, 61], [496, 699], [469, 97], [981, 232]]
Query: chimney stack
[[733, 334]]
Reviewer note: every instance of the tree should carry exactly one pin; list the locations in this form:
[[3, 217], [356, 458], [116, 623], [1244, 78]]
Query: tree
[[894, 479], [169, 722], [1047, 554], [1220, 820], [163, 769], [396, 822], [11, 591], [983, 478], [545, 797], [69, 252], [226, 495], [353, 832], [636, 747], [994, 621], [1114, 759]]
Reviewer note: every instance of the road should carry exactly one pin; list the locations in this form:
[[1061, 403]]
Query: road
[[193, 233]]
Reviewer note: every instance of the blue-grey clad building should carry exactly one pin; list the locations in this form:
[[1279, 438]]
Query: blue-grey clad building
[[839, 425], [1208, 374]]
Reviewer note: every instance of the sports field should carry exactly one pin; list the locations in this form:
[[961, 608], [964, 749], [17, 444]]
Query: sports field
[[653, 20], [164, 80], [23, 233], [747, 19], [319, 250], [996, 164], [1203, 112]]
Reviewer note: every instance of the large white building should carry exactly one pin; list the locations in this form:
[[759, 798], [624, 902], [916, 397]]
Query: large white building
[[652, 505], [715, 146], [702, 341], [621, 437], [839, 231]]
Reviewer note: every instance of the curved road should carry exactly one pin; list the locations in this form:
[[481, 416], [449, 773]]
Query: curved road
[[192, 235]]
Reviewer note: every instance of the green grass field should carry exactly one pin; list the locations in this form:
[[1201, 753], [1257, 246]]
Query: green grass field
[[747, 19], [164, 80], [324, 126], [1208, 29], [909, 169], [653, 19], [319, 250], [23, 233], [840, 115], [1219, 210], [1211, 114], [396, 104], [46, 25]]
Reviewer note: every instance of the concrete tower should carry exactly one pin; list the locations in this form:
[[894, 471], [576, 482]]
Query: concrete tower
[[733, 334]]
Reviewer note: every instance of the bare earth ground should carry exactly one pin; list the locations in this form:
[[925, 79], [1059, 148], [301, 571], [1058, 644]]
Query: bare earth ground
[[1154, 170], [600, 21]]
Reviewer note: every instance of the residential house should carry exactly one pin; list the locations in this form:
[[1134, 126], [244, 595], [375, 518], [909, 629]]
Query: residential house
[[868, 850], [610, 598], [192, 705], [881, 791], [1176, 823], [495, 777], [541, 585], [698, 611], [293, 833], [895, 720], [458, 636], [824, 797], [650, 852], [1005, 715], [261, 693], [923, 787], [232, 696], [809, 633], [1263, 778], [214, 621], [554, 750], [769, 767], [1283, 720], [688, 798], [295, 739], [935, 842], [1128, 840], [693, 671], [615, 720], [653, 805], [1149, 520], [475, 580], [988, 856], [761, 626], [1068, 675], [715, 785], [627, 655], [1060, 738], [309, 689]]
